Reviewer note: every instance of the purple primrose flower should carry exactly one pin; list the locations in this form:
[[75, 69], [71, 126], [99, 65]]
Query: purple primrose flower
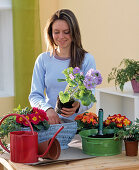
[[91, 72], [88, 79], [76, 70], [89, 86], [71, 76], [81, 73], [99, 79], [96, 74]]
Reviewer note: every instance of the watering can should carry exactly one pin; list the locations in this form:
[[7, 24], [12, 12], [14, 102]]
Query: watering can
[[24, 144]]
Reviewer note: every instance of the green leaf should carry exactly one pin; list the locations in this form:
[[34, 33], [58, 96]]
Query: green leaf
[[70, 69], [38, 127], [76, 95], [61, 80], [93, 99], [85, 98], [64, 97], [82, 87], [86, 102], [137, 78], [45, 124], [72, 83]]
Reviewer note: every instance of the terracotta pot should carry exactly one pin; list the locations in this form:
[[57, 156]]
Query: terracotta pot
[[131, 148], [59, 105], [54, 151], [135, 86]]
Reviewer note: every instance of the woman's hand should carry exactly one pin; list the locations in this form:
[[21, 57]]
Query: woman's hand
[[70, 111], [53, 116]]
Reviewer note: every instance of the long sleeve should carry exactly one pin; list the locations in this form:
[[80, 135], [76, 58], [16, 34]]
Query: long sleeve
[[37, 97]]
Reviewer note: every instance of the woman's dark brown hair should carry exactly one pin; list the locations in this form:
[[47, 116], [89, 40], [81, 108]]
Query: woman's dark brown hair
[[77, 51]]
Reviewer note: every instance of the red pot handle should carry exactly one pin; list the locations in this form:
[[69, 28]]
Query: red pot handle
[[14, 114]]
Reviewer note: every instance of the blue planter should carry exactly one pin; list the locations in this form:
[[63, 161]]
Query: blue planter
[[64, 136]]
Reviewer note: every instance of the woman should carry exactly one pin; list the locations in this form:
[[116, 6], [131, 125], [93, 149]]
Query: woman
[[64, 49]]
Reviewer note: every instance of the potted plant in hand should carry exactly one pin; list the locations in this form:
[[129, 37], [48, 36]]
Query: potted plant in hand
[[79, 87], [130, 134], [128, 70]]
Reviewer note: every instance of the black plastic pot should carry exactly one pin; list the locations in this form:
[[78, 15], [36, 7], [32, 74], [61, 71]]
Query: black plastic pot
[[60, 105]]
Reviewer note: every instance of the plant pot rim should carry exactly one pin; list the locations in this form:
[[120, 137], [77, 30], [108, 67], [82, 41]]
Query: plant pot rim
[[127, 140]]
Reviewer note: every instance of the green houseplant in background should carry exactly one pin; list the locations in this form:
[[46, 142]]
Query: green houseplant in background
[[128, 70]]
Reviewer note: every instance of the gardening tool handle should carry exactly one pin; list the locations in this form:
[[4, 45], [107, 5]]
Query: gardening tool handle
[[14, 114], [51, 142], [100, 127]]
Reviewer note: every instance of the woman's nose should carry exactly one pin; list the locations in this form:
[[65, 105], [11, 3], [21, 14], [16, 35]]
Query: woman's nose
[[61, 35]]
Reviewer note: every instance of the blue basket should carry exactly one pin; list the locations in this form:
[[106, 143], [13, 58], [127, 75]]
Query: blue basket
[[64, 136]]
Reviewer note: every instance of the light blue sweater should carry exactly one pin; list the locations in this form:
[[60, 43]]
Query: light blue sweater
[[46, 71]]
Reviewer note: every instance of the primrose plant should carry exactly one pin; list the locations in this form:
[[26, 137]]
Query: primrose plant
[[80, 86]]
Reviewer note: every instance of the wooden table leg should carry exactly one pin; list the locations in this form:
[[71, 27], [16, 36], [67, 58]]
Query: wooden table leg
[[5, 163], [1, 167]]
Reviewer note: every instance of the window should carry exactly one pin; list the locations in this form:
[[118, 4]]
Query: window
[[6, 50]]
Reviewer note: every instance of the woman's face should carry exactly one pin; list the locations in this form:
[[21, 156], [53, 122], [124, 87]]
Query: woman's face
[[61, 34]]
